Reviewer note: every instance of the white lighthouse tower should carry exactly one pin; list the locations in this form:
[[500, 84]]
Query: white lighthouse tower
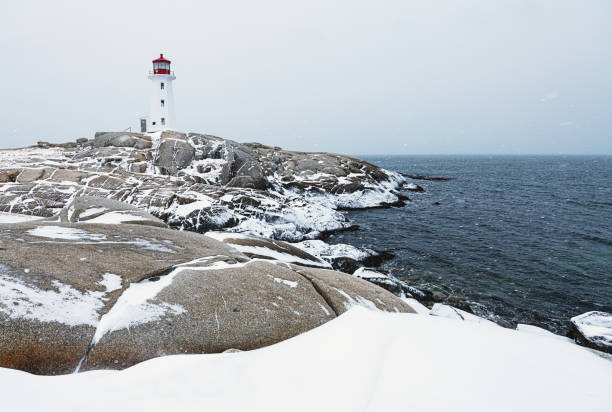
[[161, 113]]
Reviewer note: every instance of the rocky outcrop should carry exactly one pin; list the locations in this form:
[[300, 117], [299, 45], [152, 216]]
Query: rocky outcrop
[[199, 182], [593, 329], [111, 295], [173, 155], [56, 279]]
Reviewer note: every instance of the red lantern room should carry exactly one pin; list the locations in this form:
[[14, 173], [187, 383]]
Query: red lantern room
[[161, 65]]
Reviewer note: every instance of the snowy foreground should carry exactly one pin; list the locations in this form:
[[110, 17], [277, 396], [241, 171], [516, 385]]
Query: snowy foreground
[[363, 360]]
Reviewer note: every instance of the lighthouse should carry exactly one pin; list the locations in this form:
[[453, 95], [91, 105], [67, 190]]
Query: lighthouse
[[161, 113]]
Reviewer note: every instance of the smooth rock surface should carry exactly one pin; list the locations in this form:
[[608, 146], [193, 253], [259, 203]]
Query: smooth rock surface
[[56, 280], [235, 306], [112, 295]]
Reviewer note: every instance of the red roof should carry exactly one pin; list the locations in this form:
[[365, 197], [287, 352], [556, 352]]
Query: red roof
[[161, 59]]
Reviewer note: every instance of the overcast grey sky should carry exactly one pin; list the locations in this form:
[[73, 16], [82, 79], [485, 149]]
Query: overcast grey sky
[[422, 77]]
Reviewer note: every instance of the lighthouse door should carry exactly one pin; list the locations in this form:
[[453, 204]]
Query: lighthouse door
[[143, 125]]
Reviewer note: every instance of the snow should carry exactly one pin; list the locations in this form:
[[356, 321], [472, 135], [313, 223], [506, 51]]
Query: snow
[[328, 252], [537, 331], [450, 312], [362, 360], [595, 326], [16, 218], [290, 283], [90, 212], [115, 217], [221, 236], [418, 307], [111, 282], [64, 304], [184, 210], [357, 301], [66, 233]]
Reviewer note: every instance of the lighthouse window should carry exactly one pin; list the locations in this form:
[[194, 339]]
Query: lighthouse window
[[162, 86], [162, 103], [163, 121]]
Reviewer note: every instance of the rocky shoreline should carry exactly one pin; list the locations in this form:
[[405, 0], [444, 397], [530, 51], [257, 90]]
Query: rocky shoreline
[[112, 286]]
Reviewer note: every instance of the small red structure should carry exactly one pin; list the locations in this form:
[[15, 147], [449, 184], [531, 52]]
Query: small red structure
[[161, 65]]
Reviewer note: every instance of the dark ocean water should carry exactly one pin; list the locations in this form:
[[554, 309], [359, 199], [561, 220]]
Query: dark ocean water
[[524, 238]]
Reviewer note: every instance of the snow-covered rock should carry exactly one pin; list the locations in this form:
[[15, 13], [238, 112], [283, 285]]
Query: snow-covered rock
[[362, 360], [593, 329], [389, 282], [445, 311], [259, 247], [342, 257], [199, 182], [92, 209], [112, 295], [16, 218]]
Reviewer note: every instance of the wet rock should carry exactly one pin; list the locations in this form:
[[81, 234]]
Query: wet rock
[[345, 264], [438, 296]]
